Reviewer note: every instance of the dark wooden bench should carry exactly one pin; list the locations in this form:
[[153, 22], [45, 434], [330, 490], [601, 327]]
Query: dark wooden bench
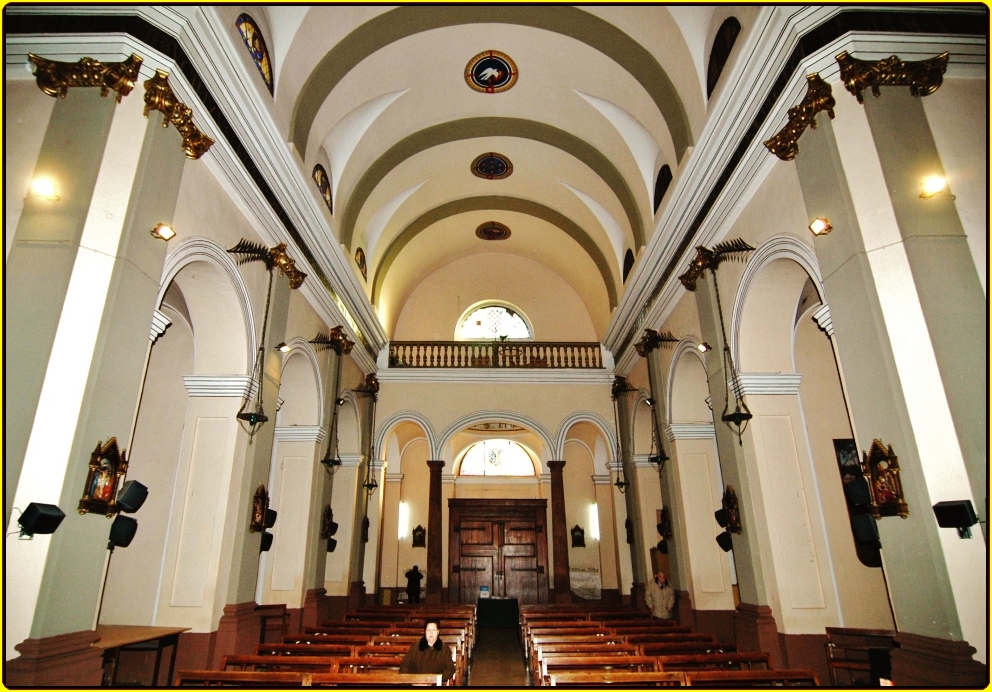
[[305, 650], [858, 657], [367, 664], [542, 650], [638, 635], [239, 678], [622, 678], [374, 680], [672, 631], [634, 664], [749, 660], [751, 678], [650, 648], [320, 664]]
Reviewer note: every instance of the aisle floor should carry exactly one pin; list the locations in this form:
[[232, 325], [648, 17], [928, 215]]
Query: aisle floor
[[498, 659]]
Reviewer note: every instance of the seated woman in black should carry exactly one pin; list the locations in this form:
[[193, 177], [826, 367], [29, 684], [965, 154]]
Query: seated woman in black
[[430, 654]]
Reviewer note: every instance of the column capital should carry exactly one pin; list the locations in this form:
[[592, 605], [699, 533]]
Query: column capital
[[159, 324], [556, 465], [435, 464], [822, 318], [219, 385], [300, 433]]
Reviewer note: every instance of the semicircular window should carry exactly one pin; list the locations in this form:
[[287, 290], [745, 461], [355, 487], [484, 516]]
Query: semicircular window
[[726, 36], [256, 48], [493, 322], [323, 185], [496, 458]]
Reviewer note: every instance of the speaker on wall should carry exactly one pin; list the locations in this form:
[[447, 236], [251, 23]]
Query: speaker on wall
[[331, 545], [266, 541], [955, 514], [40, 518], [725, 541], [122, 531], [270, 518], [663, 546], [721, 518], [864, 527], [857, 492], [131, 496]]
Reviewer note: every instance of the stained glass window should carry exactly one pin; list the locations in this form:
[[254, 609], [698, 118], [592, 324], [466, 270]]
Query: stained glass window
[[323, 186], [256, 47], [496, 458], [493, 322]]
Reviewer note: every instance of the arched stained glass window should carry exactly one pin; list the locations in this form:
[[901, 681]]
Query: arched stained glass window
[[496, 458], [256, 47], [323, 186], [726, 36], [492, 322]]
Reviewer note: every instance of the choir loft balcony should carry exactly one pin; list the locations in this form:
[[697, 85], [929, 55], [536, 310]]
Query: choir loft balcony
[[534, 355]]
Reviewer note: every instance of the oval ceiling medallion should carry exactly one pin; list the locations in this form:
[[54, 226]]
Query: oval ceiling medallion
[[492, 166], [491, 72], [492, 230]]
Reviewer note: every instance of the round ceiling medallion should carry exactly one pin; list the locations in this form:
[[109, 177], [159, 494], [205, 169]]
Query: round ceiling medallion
[[492, 166], [492, 230], [491, 72]]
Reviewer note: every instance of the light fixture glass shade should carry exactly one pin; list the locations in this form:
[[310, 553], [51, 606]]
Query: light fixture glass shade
[[44, 187], [932, 185], [820, 226], [703, 347], [283, 347], [164, 231]]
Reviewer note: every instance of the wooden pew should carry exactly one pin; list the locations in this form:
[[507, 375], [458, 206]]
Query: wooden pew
[[542, 650], [673, 631], [350, 639], [621, 678], [305, 650], [673, 648], [374, 680], [751, 678], [381, 650], [296, 664], [575, 664], [239, 678], [749, 660], [639, 635], [533, 642], [639, 622], [367, 664]]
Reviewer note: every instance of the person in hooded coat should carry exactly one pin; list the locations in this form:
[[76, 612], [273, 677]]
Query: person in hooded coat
[[430, 654]]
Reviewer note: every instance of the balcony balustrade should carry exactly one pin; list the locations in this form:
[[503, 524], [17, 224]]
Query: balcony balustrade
[[498, 354]]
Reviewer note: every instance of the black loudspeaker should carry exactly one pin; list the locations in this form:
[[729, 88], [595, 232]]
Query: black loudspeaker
[[955, 514], [270, 518], [721, 517], [725, 542], [266, 541], [122, 531], [864, 527], [131, 496], [40, 518], [331, 545], [333, 528], [857, 492], [663, 546]]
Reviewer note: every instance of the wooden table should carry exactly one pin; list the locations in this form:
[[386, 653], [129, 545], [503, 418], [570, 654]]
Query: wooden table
[[117, 638]]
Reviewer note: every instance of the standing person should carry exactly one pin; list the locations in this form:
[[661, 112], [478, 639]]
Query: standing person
[[430, 654], [660, 597], [413, 578]]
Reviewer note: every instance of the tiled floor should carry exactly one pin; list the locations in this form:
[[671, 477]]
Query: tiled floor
[[499, 659]]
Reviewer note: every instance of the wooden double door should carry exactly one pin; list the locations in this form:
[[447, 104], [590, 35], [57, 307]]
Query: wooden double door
[[502, 544]]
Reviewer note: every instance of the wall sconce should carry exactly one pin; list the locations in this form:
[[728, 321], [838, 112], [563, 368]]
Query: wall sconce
[[419, 537], [932, 185], [578, 537], [703, 347], [820, 226], [39, 518], [44, 187], [164, 231], [283, 347]]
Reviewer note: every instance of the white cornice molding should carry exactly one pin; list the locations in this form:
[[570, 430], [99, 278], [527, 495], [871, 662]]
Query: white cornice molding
[[448, 478], [497, 376], [769, 383], [690, 431], [496, 480], [351, 461], [159, 324], [300, 433], [602, 479], [822, 318], [220, 385], [641, 462], [394, 477]]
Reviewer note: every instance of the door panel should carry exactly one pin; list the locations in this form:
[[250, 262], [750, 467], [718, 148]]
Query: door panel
[[475, 572]]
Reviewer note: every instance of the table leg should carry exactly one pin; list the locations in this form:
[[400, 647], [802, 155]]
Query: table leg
[[158, 662], [174, 640]]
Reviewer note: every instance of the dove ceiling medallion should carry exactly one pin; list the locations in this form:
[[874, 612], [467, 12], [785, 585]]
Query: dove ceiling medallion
[[491, 72]]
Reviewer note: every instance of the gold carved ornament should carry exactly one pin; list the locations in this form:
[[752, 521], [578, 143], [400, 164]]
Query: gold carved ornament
[[55, 78], [336, 340], [250, 251], [652, 340], [735, 249], [881, 468], [923, 77], [287, 266], [160, 97], [108, 464], [819, 97]]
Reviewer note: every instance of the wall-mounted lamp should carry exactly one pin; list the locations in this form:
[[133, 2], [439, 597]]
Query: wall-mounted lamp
[[44, 187], [164, 231], [39, 518], [703, 347], [283, 347], [820, 226], [932, 185]]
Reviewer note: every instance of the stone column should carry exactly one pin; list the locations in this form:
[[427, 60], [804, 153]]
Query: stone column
[[367, 394], [434, 533], [625, 401], [901, 287], [82, 278], [559, 534]]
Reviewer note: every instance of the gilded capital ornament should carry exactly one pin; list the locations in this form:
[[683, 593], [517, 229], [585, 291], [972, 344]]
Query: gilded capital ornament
[[160, 97], [652, 340], [735, 250], [335, 340], [287, 266], [923, 77], [819, 97], [370, 386], [55, 78], [702, 261]]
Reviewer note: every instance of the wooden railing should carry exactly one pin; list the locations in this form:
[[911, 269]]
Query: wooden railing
[[489, 354]]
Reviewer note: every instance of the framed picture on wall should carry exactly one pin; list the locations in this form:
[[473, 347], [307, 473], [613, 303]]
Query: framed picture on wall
[[848, 460]]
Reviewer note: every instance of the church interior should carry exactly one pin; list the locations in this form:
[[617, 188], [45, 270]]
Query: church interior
[[534, 302]]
